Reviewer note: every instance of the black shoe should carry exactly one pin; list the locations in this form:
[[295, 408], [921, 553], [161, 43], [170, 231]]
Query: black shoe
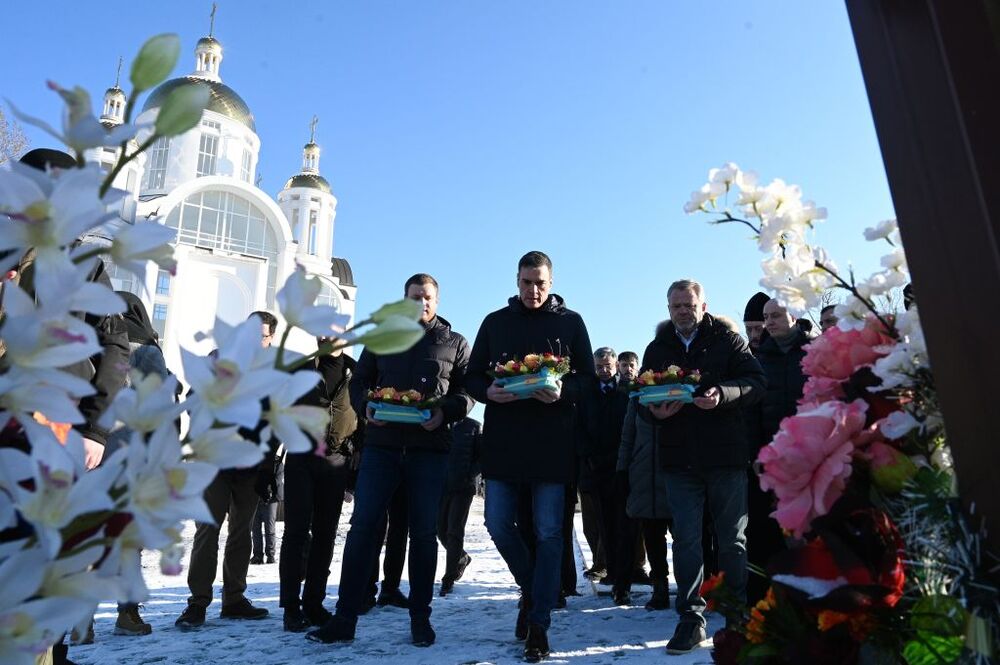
[[295, 621], [521, 627], [393, 597], [192, 617], [621, 597], [536, 647], [463, 563], [561, 601], [640, 576], [660, 600], [422, 633], [337, 629], [256, 560], [366, 605], [317, 616], [447, 586], [242, 610], [270, 558], [687, 636]]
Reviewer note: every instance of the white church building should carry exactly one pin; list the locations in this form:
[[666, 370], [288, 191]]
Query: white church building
[[235, 244]]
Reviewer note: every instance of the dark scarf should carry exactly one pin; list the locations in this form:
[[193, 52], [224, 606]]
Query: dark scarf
[[140, 330]]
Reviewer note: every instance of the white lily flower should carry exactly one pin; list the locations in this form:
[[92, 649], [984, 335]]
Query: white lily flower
[[49, 211], [43, 339], [48, 391], [162, 489], [74, 577], [81, 130], [135, 246], [64, 287], [881, 231], [224, 448], [725, 176], [297, 299], [228, 389], [123, 562], [146, 405], [287, 421]]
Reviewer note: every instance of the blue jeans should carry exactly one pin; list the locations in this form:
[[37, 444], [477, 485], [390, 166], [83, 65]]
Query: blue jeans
[[382, 470], [538, 577], [725, 490]]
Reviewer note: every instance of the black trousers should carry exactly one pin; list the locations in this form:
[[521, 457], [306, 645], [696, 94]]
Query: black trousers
[[393, 530], [611, 520], [525, 524], [764, 537], [652, 532], [263, 529], [452, 516], [592, 530], [314, 497]]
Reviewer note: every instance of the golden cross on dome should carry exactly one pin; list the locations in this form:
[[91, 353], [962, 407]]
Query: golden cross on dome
[[118, 74], [211, 24], [312, 129]]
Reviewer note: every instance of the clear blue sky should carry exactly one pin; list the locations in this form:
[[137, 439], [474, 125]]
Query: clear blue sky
[[458, 135]]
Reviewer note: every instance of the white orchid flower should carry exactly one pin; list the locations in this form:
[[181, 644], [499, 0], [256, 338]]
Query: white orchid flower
[[881, 231], [74, 577], [896, 370], [898, 424], [65, 287], [707, 194], [146, 405], [896, 262], [37, 338], [135, 246], [54, 393], [49, 211], [81, 130], [297, 299], [853, 312], [123, 562], [290, 422], [224, 448], [228, 389], [725, 176], [29, 625], [162, 489]]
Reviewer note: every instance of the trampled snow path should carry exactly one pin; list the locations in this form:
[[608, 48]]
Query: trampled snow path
[[474, 624]]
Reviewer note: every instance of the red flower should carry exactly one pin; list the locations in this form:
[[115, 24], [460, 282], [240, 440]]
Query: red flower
[[708, 587]]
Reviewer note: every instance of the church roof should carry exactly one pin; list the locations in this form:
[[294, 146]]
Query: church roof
[[341, 269], [309, 180], [223, 99]]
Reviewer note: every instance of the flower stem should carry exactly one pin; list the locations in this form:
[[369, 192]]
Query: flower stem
[[842, 283], [123, 160]]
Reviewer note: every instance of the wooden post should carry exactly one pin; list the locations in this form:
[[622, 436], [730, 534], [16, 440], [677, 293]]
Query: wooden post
[[932, 71]]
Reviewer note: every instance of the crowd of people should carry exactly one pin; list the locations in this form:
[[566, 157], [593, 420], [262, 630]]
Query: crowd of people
[[638, 471]]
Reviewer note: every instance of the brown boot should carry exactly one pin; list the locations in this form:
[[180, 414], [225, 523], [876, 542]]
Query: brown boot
[[130, 623]]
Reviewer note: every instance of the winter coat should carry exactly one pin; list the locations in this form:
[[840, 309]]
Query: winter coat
[[603, 414], [785, 380], [527, 440], [333, 394], [147, 359], [436, 367], [104, 371], [463, 459], [696, 438], [639, 457]]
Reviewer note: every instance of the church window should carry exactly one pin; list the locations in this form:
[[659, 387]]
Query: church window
[[157, 171], [245, 167], [163, 283], [312, 231], [207, 154], [160, 319]]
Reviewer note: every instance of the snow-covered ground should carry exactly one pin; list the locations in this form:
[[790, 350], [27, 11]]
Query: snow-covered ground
[[475, 624]]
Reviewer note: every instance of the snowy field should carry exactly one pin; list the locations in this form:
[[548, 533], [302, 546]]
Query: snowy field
[[475, 624]]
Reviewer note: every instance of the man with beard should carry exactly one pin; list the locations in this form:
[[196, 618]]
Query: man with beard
[[704, 449], [530, 443]]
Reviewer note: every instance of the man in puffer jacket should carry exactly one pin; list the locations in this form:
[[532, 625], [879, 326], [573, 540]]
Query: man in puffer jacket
[[704, 448], [435, 366]]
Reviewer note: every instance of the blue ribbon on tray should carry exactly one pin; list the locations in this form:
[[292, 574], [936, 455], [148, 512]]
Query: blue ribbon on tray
[[671, 392], [524, 385], [397, 413]]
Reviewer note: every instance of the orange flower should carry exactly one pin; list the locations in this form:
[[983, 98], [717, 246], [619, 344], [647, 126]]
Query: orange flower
[[710, 585], [755, 626], [827, 619]]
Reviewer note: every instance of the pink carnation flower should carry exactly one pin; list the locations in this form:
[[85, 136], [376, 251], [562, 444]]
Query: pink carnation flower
[[819, 389], [809, 461], [837, 354]]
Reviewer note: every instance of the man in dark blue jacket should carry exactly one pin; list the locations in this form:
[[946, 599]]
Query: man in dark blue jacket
[[531, 443], [409, 454]]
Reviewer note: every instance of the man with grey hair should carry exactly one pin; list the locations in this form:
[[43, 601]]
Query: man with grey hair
[[703, 448]]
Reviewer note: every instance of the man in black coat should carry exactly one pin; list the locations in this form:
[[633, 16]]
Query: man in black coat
[[436, 367], [463, 467], [531, 442], [704, 448], [780, 354], [315, 484]]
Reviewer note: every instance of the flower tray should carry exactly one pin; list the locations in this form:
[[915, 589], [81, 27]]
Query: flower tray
[[671, 392], [524, 385], [397, 413]]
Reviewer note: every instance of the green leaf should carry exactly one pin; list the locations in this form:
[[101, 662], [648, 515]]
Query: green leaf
[[410, 309], [155, 61], [394, 335], [939, 615], [182, 109], [933, 650]]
